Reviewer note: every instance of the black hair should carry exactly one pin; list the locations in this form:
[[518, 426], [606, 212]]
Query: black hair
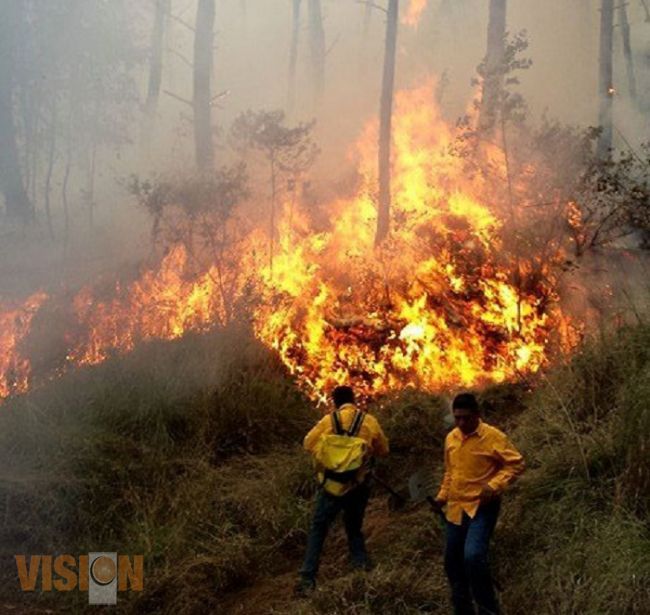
[[342, 395], [465, 401]]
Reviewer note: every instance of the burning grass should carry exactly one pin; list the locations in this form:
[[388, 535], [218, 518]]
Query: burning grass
[[188, 451]]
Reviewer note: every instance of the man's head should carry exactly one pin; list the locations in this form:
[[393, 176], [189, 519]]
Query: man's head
[[466, 412], [342, 395]]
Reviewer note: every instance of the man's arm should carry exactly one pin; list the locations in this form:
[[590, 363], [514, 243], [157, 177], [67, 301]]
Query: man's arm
[[443, 493], [379, 442], [315, 433], [512, 465]]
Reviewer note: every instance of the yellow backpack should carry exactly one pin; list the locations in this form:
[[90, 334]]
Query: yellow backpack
[[341, 457]]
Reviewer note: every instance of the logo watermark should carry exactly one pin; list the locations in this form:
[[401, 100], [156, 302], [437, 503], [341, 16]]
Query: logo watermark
[[102, 574]]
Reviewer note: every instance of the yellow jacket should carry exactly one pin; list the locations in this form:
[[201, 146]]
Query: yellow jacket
[[370, 431], [484, 457]]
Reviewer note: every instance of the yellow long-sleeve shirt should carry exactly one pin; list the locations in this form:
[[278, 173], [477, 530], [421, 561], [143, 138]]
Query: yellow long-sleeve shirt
[[370, 431], [484, 457]]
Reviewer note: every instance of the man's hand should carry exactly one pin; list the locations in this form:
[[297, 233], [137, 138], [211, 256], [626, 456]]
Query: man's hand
[[439, 504], [487, 494]]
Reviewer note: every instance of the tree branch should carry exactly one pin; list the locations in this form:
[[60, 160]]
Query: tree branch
[[372, 5], [180, 56], [181, 21], [647, 10], [336, 40], [179, 98], [217, 97]]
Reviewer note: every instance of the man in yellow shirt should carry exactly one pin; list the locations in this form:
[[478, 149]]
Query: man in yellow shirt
[[480, 462], [354, 499]]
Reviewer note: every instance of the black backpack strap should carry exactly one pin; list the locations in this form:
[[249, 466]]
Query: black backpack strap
[[337, 428], [357, 421]]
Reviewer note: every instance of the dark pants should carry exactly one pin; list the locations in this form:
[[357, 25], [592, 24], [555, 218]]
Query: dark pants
[[466, 561], [353, 505]]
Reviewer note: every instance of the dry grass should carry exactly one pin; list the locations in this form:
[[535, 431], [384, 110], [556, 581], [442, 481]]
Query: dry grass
[[189, 453]]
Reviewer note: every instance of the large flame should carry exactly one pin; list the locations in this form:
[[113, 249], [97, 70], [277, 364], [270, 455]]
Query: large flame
[[434, 307], [161, 304]]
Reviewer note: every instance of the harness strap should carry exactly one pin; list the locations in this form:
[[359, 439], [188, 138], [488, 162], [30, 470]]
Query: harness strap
[[337, 428], [357, 421]]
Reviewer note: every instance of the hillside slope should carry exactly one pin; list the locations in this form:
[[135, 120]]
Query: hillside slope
[[189, 452]]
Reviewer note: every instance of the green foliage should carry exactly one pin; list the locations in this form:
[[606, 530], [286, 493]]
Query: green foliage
[[197, 212], [291, 148], [510, 103]]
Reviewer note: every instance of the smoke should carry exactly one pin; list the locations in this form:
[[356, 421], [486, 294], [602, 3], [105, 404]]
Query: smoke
[[251, 71]]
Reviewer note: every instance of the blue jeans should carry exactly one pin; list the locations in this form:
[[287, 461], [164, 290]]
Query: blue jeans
[[466, 561], [353, 504]]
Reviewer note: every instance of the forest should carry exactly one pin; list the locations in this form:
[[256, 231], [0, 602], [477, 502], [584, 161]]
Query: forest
[[214, 213]]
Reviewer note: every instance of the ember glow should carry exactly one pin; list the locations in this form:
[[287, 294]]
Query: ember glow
[[161, 304], [414, 11], [15, 322], [434, 307]]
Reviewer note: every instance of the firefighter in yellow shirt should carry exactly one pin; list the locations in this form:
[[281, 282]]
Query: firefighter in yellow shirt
[[480, 463], [352, 498]]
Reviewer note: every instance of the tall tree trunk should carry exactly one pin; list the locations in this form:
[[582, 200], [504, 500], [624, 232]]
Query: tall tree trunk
[[50, 167], [19, 207], [363, 39], [627, 49], [156, 56], [203, 37], [367, 18], [385, 121], [29, 149], [317, 47], [293, 54], [606, 85], [90, 186], [272, 221], [64, 193], [493, 79]]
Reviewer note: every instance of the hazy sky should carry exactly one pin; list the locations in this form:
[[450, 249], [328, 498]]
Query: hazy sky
[[252, 47]]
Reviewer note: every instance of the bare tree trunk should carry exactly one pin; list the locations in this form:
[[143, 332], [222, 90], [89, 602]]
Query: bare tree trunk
[[34, 154], [64, 195], [90, 189], [363, 39], [606, 86], [19, 207], [493, 79], [385, 121], [203, 37], [50, 167], [272, 221], [627, 49], [30, 146], [367, 18], [293, 54], [317, 46], [156, 56]]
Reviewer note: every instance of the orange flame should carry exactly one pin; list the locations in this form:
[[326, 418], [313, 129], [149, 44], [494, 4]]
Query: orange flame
[[434, 307], [161, 304], [14, 327], [414, 12]]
